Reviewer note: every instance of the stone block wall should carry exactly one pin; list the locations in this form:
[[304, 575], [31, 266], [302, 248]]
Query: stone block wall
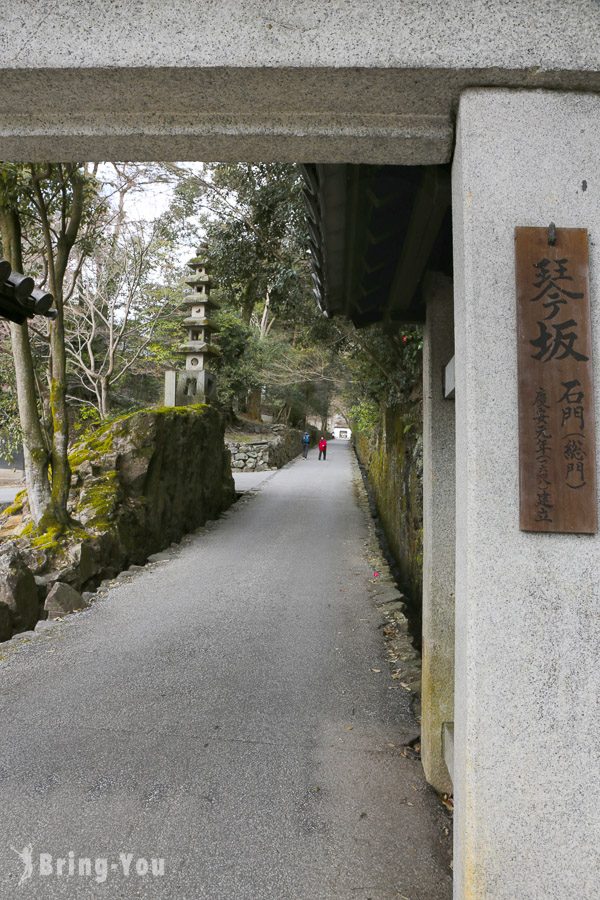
[[271, 449]]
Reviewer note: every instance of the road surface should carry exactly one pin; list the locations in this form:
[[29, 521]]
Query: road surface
[[9, 492], [219, 710]]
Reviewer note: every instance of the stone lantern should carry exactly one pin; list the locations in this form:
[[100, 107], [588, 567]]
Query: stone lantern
[[197, 383]]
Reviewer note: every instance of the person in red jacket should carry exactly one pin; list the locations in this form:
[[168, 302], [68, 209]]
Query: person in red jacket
[[323, 448]]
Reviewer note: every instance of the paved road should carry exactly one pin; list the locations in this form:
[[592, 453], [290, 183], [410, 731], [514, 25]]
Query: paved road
[[250, 481], [219, 710], [9, 492]]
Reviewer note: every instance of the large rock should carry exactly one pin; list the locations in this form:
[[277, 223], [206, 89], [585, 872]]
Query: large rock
[[157, 475], [62, 599], [84, 560], [18, 590], [35, 558]]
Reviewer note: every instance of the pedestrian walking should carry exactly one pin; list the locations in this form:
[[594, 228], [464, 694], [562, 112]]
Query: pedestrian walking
[[305, 444], [322, 448]]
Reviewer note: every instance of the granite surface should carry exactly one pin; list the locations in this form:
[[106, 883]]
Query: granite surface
[[319, 81], [527, 724], [439, 532]]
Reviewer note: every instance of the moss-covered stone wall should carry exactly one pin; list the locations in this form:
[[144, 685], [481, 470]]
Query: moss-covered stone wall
[[138, 484], [150, 477], [392, 457]]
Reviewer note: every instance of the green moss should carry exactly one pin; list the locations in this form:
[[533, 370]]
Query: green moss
[[159, 410], [180, 410], [49, 538], [53, 536], [99, 442], [17, 505], [99, 499]]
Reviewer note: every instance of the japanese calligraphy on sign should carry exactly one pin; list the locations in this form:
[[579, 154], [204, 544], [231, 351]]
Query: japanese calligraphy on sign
[[557, 444]]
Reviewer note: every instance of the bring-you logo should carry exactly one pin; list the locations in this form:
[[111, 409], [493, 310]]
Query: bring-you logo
[[97, 868]]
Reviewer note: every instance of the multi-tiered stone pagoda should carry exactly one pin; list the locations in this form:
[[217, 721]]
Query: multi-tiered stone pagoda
[[197, 383]]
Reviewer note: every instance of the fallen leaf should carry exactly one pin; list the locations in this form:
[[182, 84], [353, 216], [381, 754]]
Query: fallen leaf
[[376, 670]]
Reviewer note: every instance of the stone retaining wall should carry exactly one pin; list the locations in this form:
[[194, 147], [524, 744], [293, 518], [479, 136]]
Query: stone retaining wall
[[138, 484], [392, 457], [272, 449]]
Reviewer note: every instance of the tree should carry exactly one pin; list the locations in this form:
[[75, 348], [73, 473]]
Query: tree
[[117, 311], [254, 222], [35, 447], [58, 194], [10, 430], [42, 211]]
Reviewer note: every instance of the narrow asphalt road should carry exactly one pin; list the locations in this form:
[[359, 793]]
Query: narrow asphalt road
[[219, 710]]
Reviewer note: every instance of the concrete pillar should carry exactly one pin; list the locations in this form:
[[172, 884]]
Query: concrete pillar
[[527, 690], [438, 532]]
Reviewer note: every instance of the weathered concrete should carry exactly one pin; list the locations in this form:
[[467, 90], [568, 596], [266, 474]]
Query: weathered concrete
[[527, 723], [439, 533], [231, 710], [343, 81]]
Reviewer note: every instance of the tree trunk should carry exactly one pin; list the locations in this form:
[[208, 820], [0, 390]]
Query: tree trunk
[[253, 403], [57, 266], [248, 301], [35, 450], [61, 472], [104, 398]]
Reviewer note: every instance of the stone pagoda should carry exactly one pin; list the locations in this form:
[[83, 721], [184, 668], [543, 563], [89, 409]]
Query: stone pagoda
[[196, 384]]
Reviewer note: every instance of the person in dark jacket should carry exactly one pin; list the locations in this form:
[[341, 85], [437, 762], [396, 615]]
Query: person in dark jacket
[[305, 444], [322, 448]]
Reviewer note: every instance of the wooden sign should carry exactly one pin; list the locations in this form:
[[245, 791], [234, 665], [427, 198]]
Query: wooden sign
[[557, 446]]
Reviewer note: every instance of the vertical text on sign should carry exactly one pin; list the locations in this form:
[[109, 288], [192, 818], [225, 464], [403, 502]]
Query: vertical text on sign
[[557, 466]]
